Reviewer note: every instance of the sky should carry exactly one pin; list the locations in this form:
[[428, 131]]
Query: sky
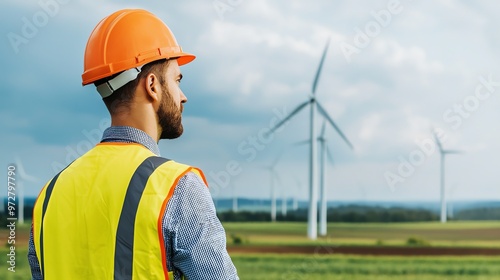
[[394, 71]]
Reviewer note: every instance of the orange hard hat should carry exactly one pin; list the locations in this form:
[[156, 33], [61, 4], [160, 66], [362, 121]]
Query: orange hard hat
[[128, 39]]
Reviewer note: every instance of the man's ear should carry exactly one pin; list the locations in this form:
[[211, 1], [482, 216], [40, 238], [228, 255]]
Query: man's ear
[[152, 87]]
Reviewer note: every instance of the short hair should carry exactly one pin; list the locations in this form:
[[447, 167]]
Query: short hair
[[123, 96]]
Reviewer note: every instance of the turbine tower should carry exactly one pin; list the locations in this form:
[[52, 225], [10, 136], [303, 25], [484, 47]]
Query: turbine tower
[[443, 154], [2, 203], [312, 225], [235, 200], [295, 205], [23, 177], [362, 190], [273, 177], [283, 204], [325, 152]]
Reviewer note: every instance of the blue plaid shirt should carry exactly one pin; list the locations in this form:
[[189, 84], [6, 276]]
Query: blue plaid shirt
[[194, 237]]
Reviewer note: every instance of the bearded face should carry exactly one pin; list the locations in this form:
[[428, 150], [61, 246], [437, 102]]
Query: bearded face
[[170, 116]]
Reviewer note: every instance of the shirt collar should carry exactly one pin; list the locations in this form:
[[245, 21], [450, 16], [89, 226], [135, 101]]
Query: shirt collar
[[127, 134]]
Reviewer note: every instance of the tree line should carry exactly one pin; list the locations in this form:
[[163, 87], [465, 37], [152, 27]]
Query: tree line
[[362, 214], [344, 214]]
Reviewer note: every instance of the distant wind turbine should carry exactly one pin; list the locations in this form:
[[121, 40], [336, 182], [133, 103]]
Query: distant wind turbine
[[283, 203], [23, 177], [2, 203], [235, 200], [274, 178], [362, 190], [295, 205], [312, 225], [443, 153]]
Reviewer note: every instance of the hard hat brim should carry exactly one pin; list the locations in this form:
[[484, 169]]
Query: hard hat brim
[[185, 58], [182, 59]]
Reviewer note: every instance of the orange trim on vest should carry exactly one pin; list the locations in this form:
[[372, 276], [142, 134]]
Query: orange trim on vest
[[201, 175], [160, 221], [162, 212]]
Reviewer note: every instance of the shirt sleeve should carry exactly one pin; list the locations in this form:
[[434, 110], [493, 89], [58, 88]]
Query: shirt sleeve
[[36, 273], [194, 236]]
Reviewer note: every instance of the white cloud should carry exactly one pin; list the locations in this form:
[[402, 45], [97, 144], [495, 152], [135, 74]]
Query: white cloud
[[370, 126], [396, 56]]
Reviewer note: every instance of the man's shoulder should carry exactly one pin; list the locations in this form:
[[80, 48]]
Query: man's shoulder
[[183, 173]]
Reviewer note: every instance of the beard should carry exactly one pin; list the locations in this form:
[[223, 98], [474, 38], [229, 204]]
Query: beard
[[170, 117]]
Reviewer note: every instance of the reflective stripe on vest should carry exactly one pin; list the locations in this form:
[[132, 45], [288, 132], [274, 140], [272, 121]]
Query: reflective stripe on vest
[[125, 233], [101, 218]]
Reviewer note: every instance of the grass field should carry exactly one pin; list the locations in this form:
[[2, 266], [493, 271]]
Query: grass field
[[22, 270], [311, 266], [253, 267], [308, 267], [463, 234]]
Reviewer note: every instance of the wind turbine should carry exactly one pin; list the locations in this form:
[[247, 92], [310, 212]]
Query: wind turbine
[[313, 190], [235, 200], [362, 190], [443, 153], [274, 177], [23, 176], [283, 204], [2, 203], [295, 205]]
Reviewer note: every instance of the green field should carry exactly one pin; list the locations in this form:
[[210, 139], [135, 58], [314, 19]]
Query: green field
[[307, 267], [463, 234], [292, 266], [22, 266], [253, 267]]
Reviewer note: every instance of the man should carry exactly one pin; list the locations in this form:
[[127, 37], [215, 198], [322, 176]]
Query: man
[[120, 211]]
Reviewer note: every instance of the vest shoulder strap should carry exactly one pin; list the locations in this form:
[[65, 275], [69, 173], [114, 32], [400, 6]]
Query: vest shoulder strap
[[126, 225]]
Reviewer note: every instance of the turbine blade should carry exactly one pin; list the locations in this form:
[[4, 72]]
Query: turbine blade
[[294, 112], [297, 181], [438, 143], [329, 119], [300, 143], [323, 130], [277, 159], [329, 155], [30, 178], [318, 72], [22, 173], [277, 177], [20, 167], [456, 152]]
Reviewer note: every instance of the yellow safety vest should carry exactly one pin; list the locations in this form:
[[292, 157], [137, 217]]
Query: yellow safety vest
[[101, 217]]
